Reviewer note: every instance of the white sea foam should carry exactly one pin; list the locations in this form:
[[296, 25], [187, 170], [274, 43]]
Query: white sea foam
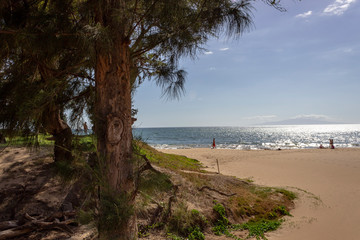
[[252, 138]]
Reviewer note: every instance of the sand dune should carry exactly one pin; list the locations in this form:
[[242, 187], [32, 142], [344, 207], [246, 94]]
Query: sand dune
[[328, 183]]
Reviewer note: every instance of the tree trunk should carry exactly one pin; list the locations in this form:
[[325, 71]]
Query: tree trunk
[[113, 126], [54, 125], [2, 139], [61, 132]]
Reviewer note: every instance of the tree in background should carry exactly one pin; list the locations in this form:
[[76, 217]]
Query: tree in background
[[42, 70]]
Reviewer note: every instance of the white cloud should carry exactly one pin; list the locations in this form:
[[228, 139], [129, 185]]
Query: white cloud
[[224, 49], [208, 53], [304, 15], [312, 116], [212, 68], [338, 7]]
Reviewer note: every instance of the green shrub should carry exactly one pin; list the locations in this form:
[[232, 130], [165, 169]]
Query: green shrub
[[258, 228], [282, 211], [196, 234], [222, 223]]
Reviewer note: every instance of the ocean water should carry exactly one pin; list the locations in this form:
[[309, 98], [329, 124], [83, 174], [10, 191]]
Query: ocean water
[[252, 138]]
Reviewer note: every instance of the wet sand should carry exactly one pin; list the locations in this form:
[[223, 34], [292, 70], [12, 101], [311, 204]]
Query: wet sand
[[327, 181]]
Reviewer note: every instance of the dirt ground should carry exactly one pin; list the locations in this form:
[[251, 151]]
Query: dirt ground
[[30, 192]]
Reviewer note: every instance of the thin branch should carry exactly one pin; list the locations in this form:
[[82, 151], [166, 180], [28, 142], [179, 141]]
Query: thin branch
[[215, 190], [141, 19]]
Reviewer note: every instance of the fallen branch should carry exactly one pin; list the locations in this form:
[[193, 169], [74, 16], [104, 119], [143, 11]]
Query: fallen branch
[[33, 224], [15, 232], [61, 214], [215, 190], [8, 224]]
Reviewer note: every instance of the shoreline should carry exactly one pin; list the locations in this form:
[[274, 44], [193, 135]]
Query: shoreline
[[327, 181], [247, 149]]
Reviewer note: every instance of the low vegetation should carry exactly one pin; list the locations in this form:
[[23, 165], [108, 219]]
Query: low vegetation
[[208, 204], [169, 161], [175, 199]]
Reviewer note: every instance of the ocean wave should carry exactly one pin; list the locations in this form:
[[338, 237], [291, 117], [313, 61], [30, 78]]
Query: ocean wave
[[267, 146], [252, 138]]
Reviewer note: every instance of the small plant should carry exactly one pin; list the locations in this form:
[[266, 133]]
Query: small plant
[[282, 211], [257, 229], [222, 223], [196, 234], [174, 237], [144, 230]]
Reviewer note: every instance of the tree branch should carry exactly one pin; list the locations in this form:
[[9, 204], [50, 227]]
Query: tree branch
[[215, 190]]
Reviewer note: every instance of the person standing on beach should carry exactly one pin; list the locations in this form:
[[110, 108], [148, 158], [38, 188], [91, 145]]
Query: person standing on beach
[[213, 144], [331, 144]]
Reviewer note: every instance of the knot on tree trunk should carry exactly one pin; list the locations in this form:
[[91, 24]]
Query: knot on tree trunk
[[115, 128]]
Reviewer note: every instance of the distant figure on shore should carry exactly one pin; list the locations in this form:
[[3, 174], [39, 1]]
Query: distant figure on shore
[[321, 146], [85, 127], [331, 144], [213, 144]]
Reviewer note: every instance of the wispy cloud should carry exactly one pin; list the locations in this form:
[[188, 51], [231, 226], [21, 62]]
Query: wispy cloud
[[347, 50], [338, 7], [261, 118], [304, 15], [338, 52], [208, 53], [224, 49], [312, 116]]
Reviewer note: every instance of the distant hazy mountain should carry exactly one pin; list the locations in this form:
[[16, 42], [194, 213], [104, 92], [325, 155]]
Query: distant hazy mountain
[[300, 121]]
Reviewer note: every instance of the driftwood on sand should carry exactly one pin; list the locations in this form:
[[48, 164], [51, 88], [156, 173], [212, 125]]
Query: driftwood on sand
[[10, 229]]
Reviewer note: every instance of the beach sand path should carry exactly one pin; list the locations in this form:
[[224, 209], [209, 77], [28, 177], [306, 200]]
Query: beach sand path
[[327, 181]]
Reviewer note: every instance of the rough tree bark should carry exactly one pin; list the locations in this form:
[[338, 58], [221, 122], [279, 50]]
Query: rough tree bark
[[61, 132], [113, 124], [55, 125]]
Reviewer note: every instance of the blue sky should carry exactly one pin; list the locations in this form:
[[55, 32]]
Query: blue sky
[[303, 62]]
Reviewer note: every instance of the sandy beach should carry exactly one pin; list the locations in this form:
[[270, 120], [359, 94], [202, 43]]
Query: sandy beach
[[327, 182]]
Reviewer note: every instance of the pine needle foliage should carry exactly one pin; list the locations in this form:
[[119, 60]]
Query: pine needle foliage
[[48, 47], [44, 62]]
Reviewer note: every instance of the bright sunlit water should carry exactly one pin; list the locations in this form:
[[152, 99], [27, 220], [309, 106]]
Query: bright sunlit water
[[260, 137]]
